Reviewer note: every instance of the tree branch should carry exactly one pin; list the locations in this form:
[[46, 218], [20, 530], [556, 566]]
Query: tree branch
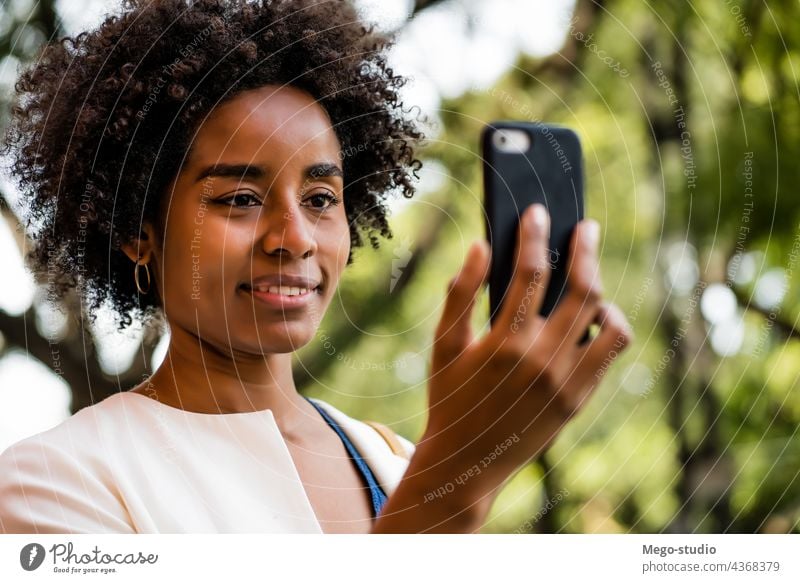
[[788, 329], [421, 5]]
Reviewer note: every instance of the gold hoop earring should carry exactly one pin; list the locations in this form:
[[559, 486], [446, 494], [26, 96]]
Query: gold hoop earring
[[136, 277]]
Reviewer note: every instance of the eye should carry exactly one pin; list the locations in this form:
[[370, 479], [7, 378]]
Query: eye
[[324, 197], [240, 199]]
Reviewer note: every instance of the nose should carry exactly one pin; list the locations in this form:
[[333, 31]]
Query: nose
[[286, 230]]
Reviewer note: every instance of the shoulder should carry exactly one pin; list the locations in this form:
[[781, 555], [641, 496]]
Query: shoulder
[[56, 481], [371, 431], [79, 437], [387, 465]]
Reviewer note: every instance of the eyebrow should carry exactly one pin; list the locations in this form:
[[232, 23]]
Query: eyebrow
[[255, 172]]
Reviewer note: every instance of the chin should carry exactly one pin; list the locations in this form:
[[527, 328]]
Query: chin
[[280, 341]]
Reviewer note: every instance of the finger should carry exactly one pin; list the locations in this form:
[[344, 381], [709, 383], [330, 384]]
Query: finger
[[581, 304], [593, 360], [519, 312], [454, 331]]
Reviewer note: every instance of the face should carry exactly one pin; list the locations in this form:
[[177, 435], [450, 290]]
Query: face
[[256, 236]]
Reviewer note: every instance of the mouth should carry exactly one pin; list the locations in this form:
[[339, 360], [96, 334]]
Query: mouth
[[283, 297]]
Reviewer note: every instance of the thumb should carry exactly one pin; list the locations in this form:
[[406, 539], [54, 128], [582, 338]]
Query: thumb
[[454, 332]]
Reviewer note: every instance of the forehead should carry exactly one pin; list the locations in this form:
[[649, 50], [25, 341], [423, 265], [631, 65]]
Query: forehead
[[281, 122]]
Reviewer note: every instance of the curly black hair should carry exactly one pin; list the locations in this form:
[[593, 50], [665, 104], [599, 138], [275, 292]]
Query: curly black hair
[[101, 123]]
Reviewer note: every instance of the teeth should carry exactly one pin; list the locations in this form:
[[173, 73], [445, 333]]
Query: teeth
[[283, 290]]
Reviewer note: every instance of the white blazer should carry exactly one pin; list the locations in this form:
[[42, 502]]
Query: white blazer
[[130, 464]]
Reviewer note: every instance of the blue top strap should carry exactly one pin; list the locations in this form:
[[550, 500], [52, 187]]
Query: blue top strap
[[376, 493]]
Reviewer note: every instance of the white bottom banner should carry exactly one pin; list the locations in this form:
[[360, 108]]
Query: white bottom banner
[[400, 558]]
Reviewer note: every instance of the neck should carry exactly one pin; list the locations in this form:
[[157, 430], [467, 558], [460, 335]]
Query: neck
[[198, 377]]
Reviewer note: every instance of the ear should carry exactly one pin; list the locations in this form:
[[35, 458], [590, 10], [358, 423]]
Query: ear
[[142, 248]]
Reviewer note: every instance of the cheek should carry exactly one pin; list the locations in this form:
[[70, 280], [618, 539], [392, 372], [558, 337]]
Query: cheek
[[195, 256], [337, 246], [342, 236]]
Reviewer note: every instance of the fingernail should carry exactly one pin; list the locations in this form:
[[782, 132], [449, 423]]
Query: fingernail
[[593, 232], [538, 216]]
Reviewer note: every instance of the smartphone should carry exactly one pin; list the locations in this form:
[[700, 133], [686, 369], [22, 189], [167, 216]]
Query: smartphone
[[525, 163]]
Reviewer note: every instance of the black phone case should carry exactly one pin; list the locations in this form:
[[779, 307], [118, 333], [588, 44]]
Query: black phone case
[[551, 173]]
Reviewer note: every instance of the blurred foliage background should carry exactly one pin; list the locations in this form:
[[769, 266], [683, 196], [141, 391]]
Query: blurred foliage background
[[689, 114]]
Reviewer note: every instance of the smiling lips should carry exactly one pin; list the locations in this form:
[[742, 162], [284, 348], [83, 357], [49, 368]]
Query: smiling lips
[[283, 291]]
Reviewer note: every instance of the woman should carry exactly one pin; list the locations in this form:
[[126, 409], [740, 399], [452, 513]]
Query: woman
[[216, 163]]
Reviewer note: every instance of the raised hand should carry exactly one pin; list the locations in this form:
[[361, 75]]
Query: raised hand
[[496, 402]]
